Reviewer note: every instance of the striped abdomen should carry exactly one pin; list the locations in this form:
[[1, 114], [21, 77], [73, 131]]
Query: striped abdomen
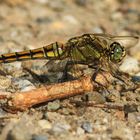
[[52, 51]]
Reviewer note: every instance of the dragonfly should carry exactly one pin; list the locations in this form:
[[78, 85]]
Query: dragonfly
[[102, 51]]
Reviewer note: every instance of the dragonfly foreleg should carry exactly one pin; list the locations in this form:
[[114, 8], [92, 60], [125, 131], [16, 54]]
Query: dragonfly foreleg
[[126, 79], [69, 65]]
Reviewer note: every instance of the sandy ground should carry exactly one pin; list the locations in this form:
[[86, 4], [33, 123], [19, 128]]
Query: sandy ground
[[35, 23]]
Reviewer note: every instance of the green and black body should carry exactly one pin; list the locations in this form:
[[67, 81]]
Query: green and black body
[[101, 49]]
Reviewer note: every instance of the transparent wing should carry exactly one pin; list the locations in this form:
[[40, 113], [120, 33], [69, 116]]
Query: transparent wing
[[126, 41]]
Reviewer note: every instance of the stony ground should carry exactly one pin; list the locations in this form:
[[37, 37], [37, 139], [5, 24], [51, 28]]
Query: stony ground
[[31, 24]]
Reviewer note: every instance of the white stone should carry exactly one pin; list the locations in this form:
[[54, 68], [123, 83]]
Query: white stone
[[80, 131], [130, 65], [44, 124]]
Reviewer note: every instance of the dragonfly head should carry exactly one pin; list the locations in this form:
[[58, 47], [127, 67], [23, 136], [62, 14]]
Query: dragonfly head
[[117, 52]]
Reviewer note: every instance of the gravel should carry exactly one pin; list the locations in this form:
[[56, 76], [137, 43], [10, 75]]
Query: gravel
[[33, 24]]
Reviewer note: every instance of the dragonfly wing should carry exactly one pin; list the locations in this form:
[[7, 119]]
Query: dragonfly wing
[[126, 41]]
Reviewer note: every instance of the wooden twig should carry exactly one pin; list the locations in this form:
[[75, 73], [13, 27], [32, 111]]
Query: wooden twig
[[23, 100], [107, 105]]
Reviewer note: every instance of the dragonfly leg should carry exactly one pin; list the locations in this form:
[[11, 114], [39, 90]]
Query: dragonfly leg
[[126, 79], [101, 87], [121, 76], [68, 66], [95, 75], [64, 76], [65, 72], [39, 78]]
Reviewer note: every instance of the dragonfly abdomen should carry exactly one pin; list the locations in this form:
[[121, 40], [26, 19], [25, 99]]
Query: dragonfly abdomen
[[52, 51]]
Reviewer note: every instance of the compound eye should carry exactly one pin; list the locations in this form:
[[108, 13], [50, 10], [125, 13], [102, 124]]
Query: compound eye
[[117, 52]]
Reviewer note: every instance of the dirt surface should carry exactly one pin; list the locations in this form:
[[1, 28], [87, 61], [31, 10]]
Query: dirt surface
[[35, 23]]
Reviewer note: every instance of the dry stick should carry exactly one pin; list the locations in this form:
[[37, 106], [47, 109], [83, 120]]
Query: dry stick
[[23, 100], [107, 105]]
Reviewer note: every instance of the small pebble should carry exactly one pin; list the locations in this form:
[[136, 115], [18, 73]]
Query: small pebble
[[129, 108], [44, 124], [23, 85], [81, 2], [129, 96], [5, 82], [134, 117], [135, 51], [130, 65], [53, 106], [97, 30], [122, 134], [19, 133], [56, 5], [13, 66], [136, 78], [60, 127], [70, 19], [116, 16], [43, 20], [137, 128], [80, 131], [45, 115], [39, 137], [66, 111], [87, 126], [42, 1], [94, 96]]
